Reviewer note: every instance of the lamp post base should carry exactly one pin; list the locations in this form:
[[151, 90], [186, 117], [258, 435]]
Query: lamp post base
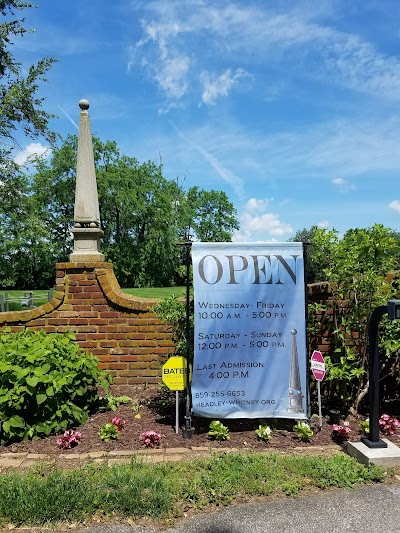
[[374, 444]]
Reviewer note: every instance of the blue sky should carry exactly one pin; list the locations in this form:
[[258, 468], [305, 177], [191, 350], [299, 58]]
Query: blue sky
[[290, 107]]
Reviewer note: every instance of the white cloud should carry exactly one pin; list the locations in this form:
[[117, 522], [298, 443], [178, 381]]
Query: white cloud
[[249, 35], [395, 205], [323, 224], [255, 204], [172, 76], [255, 226], [215, 86], [268, 223], [32, 150], [343, 185]]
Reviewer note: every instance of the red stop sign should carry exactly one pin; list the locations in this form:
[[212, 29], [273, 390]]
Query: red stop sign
[[318, 365]]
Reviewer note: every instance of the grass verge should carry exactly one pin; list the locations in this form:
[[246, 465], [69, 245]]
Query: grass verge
[[157, 292], [40, 297], [167, 490]]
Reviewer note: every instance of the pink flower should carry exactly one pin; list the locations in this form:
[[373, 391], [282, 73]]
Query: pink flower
[[340, 431], [118, 422], [150, 438], [388, 425], [69, 439]]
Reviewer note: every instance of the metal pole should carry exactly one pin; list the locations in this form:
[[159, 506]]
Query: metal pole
[[189, 430], [373, 357], [319, 404], [177, 412], [305, 262]]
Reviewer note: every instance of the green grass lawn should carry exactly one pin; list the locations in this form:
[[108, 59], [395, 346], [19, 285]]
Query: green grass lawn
[[157, 292], [161, 491], [40, 297]]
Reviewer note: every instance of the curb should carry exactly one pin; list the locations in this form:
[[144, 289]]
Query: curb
[[71, 461]]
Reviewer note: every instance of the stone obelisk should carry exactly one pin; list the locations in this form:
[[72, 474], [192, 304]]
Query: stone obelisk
[[86, 231]]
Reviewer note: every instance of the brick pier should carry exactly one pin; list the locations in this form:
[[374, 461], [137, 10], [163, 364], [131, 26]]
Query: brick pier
[[120, 329]]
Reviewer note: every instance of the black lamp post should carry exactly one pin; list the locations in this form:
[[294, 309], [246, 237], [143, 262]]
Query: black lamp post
[[393, 311]]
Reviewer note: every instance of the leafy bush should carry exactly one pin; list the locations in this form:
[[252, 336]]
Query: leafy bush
[[108, 431], [113, 402], [303, 430], [263, 433], [364, 424], [356, 266], [218, 431], [173, 311], [47, 384]]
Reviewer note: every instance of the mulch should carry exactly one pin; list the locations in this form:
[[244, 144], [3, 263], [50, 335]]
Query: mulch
[[157, 413]]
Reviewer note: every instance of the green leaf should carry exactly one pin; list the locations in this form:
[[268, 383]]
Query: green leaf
[[40, 398], [32, 381], [16, 422]]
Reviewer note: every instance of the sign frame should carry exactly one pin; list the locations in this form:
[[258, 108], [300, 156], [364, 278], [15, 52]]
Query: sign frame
[[295, 326]]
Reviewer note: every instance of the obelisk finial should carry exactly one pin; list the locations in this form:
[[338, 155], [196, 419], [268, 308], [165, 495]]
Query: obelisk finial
[[86, 229]]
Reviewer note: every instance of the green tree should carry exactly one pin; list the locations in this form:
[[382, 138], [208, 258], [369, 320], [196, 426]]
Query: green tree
[[53, 186], [22, 236], [206, 216], [20, 106], [137, 206], [25, 258], [316, 262], [143, 214], [356, 268]]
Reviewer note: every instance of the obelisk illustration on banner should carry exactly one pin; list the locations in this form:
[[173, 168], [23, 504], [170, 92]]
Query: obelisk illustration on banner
[[295, 396]]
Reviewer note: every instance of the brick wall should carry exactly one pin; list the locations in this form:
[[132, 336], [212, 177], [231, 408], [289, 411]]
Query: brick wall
[[321, 293], [120, 329]]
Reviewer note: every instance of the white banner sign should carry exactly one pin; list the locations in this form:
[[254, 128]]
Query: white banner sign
[[250, 331]]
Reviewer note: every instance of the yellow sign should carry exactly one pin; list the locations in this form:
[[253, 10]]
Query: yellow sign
[[174, 373]]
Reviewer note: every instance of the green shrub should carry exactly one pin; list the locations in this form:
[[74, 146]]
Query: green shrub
[[47, 384], [303, 430], [218, 431], [108, 432], [263, 433], [172, 311]]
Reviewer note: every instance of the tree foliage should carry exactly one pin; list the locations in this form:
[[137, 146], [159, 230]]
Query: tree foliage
[[143, 216], [207, 216], [20, 106], [315, 262], [356, 267], [23, 238]]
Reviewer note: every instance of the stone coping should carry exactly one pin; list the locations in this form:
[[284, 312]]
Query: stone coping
[[23, 460]]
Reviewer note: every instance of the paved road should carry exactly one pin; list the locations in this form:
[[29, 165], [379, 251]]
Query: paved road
[[367, 510]]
